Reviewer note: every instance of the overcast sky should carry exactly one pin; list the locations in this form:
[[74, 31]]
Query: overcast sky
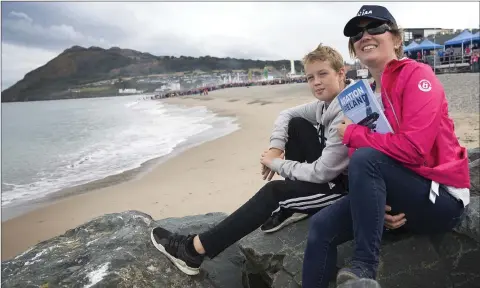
[[35, 32]]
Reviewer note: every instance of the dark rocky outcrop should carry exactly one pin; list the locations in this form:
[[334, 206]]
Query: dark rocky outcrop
[[225, 269], [470, 225], [115, 251], [406, 260], [474, 156]]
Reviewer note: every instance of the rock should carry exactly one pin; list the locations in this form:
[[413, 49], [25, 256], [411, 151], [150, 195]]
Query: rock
[[405, 260], [470, 224], [275, 260], [474, 165], [473, 154], [475, 177], [225, 270], [115, 251], [408, 260]]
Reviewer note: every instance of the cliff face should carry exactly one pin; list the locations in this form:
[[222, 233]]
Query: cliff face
[[74, 66], [78, 65]]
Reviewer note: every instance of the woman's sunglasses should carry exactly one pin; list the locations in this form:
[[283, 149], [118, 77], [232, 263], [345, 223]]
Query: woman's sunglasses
[[372, 29]]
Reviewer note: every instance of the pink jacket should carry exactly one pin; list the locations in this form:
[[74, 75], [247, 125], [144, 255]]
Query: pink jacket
[[424, 139]]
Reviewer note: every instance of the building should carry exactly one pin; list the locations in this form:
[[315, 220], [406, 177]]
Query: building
[[129, 91], [418, 34], [172, 86]]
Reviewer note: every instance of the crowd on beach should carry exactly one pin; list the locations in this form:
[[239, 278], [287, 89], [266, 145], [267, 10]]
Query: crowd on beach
[[418, 170], [470, 56], [450, 55], [205, 90]]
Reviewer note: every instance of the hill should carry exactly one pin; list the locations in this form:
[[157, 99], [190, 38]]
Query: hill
[[78, 66]]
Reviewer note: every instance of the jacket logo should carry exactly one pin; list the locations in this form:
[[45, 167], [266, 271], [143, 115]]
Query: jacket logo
[[364, 12], [424, 85]]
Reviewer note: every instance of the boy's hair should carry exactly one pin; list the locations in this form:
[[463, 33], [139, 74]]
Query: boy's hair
[[396, 32], [325, 53]]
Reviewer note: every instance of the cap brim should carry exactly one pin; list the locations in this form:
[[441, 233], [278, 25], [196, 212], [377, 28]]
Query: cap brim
[[352, 24]]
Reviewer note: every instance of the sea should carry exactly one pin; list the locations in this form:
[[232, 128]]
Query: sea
[[51, 146]]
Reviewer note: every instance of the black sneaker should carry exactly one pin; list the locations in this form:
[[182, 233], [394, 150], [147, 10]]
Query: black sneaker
[[281, 219], [174, 246]]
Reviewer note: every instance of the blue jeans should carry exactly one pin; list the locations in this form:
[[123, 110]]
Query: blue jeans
[[360, 215]]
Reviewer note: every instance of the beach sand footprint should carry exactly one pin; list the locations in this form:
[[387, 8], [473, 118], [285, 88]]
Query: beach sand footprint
[[261, 102]]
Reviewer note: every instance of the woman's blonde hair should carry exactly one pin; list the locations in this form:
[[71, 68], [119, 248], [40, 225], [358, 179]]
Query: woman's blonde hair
[[325, 53], [397, 34]]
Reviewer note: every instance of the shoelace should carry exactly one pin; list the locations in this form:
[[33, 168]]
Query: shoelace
[[279, 217], [175, 240]]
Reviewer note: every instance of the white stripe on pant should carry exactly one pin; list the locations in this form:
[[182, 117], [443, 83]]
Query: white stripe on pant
[[309, 202]]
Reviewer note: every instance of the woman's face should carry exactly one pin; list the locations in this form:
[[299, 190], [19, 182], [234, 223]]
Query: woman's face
[[375, 50], [324, 82]]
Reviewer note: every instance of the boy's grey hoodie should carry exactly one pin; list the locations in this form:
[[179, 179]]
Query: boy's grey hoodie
[[334, 159]]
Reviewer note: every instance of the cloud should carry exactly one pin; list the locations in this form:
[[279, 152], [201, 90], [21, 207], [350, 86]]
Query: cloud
[[21, 15], [21, 29], [258, 30], [18, 60]]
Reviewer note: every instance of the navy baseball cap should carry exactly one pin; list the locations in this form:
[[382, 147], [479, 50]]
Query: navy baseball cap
[[368, 12]]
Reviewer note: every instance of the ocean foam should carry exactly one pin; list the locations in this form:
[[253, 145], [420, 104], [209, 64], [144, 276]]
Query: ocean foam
[[155, 130]]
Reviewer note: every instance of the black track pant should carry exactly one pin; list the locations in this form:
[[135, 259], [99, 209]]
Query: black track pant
[[303, 145]]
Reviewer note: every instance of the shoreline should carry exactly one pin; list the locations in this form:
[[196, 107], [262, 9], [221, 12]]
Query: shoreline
[[217, 131], [216, 176]]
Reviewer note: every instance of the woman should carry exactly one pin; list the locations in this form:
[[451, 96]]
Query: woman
[[314, 170], [420, 169]]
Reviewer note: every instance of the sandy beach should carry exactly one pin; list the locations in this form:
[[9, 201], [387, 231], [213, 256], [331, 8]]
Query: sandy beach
[[216, 176]]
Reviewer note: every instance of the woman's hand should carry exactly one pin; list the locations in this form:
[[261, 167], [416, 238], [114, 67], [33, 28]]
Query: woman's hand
[[394, 221], [343, 126]]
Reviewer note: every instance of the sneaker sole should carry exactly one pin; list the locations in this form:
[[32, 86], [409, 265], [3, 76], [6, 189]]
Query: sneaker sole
[[179, 263], [294, 218], [362, 283], [343, 277]]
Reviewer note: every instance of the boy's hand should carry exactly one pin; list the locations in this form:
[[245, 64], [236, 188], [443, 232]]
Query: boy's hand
[[267, 173], [266, 160]]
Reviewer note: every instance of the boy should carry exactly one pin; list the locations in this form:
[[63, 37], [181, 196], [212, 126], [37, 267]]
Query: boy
[[314, 169]]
